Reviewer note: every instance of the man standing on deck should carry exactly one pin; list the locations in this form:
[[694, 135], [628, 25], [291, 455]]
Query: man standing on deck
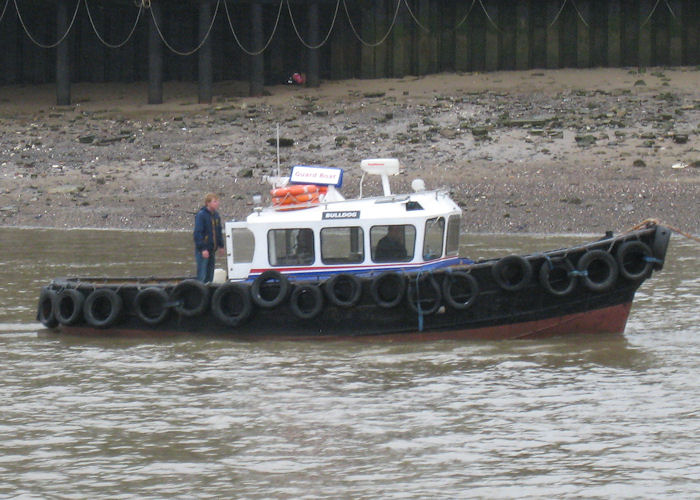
[[208, 237]]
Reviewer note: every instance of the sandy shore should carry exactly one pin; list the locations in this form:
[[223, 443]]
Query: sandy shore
[[533, 151]]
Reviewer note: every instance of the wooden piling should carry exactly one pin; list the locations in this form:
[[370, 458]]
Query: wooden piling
[[204, 56], [569, 37], [644, 47], [257, 70], [367, 34], [478, 40], [9, 55], [462, 48], [598, 34], [491, 42], [313, 79], [62, 56], [676, 33], [424, 52], [553, 27], [583, 34], [507, 35], [539, 35], [629, 39], [660, 38], [614, 34], [380, 27], [155, 56], [522, 35], [691, 10], [340, 47], [433, 25], [446, 40], [401, 44]]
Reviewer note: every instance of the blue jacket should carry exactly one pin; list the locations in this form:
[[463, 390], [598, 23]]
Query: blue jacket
[[207, 226]]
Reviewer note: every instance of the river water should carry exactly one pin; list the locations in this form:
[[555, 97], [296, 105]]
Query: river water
[[595, 417]]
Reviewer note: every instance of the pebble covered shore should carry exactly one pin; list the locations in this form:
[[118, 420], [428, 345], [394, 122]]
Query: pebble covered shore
[[533, 151]]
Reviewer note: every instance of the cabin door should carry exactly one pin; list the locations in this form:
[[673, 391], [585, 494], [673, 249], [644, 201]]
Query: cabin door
[[240, 249]]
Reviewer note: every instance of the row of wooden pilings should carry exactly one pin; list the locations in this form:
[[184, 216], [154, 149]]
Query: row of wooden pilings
[[418, 37], [205, 73]]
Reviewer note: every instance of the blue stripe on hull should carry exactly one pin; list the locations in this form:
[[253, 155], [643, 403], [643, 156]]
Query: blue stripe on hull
[[312, 273]]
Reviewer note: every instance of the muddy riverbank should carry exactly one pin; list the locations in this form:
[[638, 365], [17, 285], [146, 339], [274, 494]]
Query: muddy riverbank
[[533, 151]]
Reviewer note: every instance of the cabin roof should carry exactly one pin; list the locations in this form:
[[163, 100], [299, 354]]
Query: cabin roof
[[390, 208]]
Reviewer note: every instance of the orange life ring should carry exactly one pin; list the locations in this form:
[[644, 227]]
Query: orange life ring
[[298, 189], [295, 200]]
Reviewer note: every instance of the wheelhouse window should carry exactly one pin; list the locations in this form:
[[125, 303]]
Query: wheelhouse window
[[243, 245], [452, 245], [293, 247], [392, 243], [342, 245], [434, 233]]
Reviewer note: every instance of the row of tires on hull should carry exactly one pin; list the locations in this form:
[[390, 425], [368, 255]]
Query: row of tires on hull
[[597, 269], [425, 293]]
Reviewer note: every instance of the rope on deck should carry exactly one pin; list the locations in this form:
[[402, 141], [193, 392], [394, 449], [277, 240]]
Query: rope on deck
[[656, 222]]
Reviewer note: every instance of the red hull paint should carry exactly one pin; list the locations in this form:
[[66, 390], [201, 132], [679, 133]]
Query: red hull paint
[[608, 320]]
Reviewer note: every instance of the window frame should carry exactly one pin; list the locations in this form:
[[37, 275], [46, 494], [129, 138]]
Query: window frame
[[430, 256], [361, 247], [288, 258], [452, 233], [410, 252]]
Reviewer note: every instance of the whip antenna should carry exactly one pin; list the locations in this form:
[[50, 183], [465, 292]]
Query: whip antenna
[[277, 174]]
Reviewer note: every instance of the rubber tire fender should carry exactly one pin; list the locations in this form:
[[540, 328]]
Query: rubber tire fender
[[192, 296], [231, 304], [661, 238], [550, 274], [462, 282], [633, 260], [512, 273], [256, 290], [415, 286], [151, 305], [45, 313], [379, 284], [68, 306], [598, 257], [305, 291], [340, 283], [102, 308]]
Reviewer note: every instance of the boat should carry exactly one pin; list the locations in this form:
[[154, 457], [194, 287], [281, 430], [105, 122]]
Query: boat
[[314, 265]]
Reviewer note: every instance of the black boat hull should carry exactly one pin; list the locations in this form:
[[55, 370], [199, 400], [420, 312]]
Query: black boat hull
[[581, 290]]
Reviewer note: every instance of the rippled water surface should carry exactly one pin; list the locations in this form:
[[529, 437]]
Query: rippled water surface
[[594, 417]]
